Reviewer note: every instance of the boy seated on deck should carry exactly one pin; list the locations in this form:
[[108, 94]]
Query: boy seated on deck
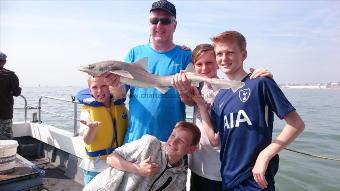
[[103, 125], [149, 164]]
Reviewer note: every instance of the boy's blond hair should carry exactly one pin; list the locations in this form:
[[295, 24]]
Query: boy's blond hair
[[191, 128], [230, 36], [89, 81]]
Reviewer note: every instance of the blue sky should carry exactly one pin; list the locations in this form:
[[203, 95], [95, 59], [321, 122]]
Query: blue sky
[[47, 41]]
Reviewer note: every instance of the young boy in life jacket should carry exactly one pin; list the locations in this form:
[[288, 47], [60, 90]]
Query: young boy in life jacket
[[103, 126]]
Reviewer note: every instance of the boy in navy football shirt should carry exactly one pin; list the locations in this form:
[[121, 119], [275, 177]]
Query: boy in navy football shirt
[[244, 120]]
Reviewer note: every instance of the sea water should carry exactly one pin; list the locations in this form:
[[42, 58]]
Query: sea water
[[319, 108]]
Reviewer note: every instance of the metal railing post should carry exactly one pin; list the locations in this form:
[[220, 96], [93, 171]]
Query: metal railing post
[[75, 121], [25, 107], [75, 112], [39, 109]]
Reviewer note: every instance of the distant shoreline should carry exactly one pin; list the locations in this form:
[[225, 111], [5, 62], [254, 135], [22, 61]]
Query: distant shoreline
[[333, 85]]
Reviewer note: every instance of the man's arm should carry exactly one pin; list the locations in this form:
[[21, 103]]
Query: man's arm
[[294, 126], [144, 168], [118, 92], [117, 89], [15, 89]]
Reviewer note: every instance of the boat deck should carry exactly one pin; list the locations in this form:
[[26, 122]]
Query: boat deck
[[55, 179], [37, 175]]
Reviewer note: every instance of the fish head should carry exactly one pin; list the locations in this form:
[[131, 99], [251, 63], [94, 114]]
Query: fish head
[[99, 68], [89, 69]]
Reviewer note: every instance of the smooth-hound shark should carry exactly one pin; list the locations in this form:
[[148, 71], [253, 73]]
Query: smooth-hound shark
[[136, 74]]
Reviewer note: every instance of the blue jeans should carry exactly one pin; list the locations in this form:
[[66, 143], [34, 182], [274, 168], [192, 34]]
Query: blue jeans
[[6, 129], [88, 176]]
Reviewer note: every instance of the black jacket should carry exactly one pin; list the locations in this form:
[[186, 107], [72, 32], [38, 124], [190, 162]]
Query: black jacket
[[9, 87]]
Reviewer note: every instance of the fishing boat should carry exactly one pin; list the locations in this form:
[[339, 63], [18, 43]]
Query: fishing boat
[[47, 157]]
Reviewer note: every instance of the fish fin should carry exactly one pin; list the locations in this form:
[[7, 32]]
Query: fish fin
[[142, 63], [163, 90], [122, 73], [190, 68]]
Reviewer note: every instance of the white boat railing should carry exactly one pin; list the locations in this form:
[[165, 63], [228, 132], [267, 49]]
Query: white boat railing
[[25, 107], [74, 118], [37, 116]]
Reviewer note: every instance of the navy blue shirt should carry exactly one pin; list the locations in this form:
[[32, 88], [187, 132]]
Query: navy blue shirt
[[244, 120]]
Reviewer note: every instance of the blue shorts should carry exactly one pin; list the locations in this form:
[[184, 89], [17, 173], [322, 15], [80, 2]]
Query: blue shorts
[[88, 176], [250, 185]]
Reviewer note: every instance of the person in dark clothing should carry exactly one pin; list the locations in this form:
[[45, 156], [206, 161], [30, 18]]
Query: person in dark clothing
[[9, 87]]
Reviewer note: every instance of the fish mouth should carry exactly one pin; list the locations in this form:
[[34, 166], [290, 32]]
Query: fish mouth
[[89, 72]]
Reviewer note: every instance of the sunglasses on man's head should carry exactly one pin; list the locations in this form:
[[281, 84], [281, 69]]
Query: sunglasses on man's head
[[163, 21]]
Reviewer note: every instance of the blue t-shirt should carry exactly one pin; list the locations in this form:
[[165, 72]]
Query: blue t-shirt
[[152, 112], [244, 120]]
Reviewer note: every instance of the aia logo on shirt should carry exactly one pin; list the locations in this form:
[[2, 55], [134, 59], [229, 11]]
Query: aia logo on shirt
[[244, 94]]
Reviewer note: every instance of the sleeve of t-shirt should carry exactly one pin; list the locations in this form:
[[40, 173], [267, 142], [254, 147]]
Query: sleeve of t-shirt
[[129, 58], [275, 98], [84, 115], [189, 57], [186, 59]]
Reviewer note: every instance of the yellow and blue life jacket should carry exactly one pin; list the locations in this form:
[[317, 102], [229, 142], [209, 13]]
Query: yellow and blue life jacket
[[110, 132]]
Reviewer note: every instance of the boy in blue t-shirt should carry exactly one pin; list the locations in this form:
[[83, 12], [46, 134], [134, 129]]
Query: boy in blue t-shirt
[[244, 120]]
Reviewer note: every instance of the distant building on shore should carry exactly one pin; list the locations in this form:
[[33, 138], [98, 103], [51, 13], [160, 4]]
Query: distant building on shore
[[331, 85]]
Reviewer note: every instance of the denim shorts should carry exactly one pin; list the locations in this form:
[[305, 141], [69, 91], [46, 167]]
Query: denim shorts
[[88, 176]]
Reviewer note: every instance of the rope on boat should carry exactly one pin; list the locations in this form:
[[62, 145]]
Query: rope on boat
[[312, 155]]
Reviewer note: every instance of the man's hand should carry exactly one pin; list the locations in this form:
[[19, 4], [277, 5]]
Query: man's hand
[[111, 79], [184, 47], [181, 82], [147, 167], [260, 72]]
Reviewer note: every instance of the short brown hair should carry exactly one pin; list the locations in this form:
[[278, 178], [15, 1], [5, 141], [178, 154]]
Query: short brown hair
[[232, 36], [199, 50], [192, 128]]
